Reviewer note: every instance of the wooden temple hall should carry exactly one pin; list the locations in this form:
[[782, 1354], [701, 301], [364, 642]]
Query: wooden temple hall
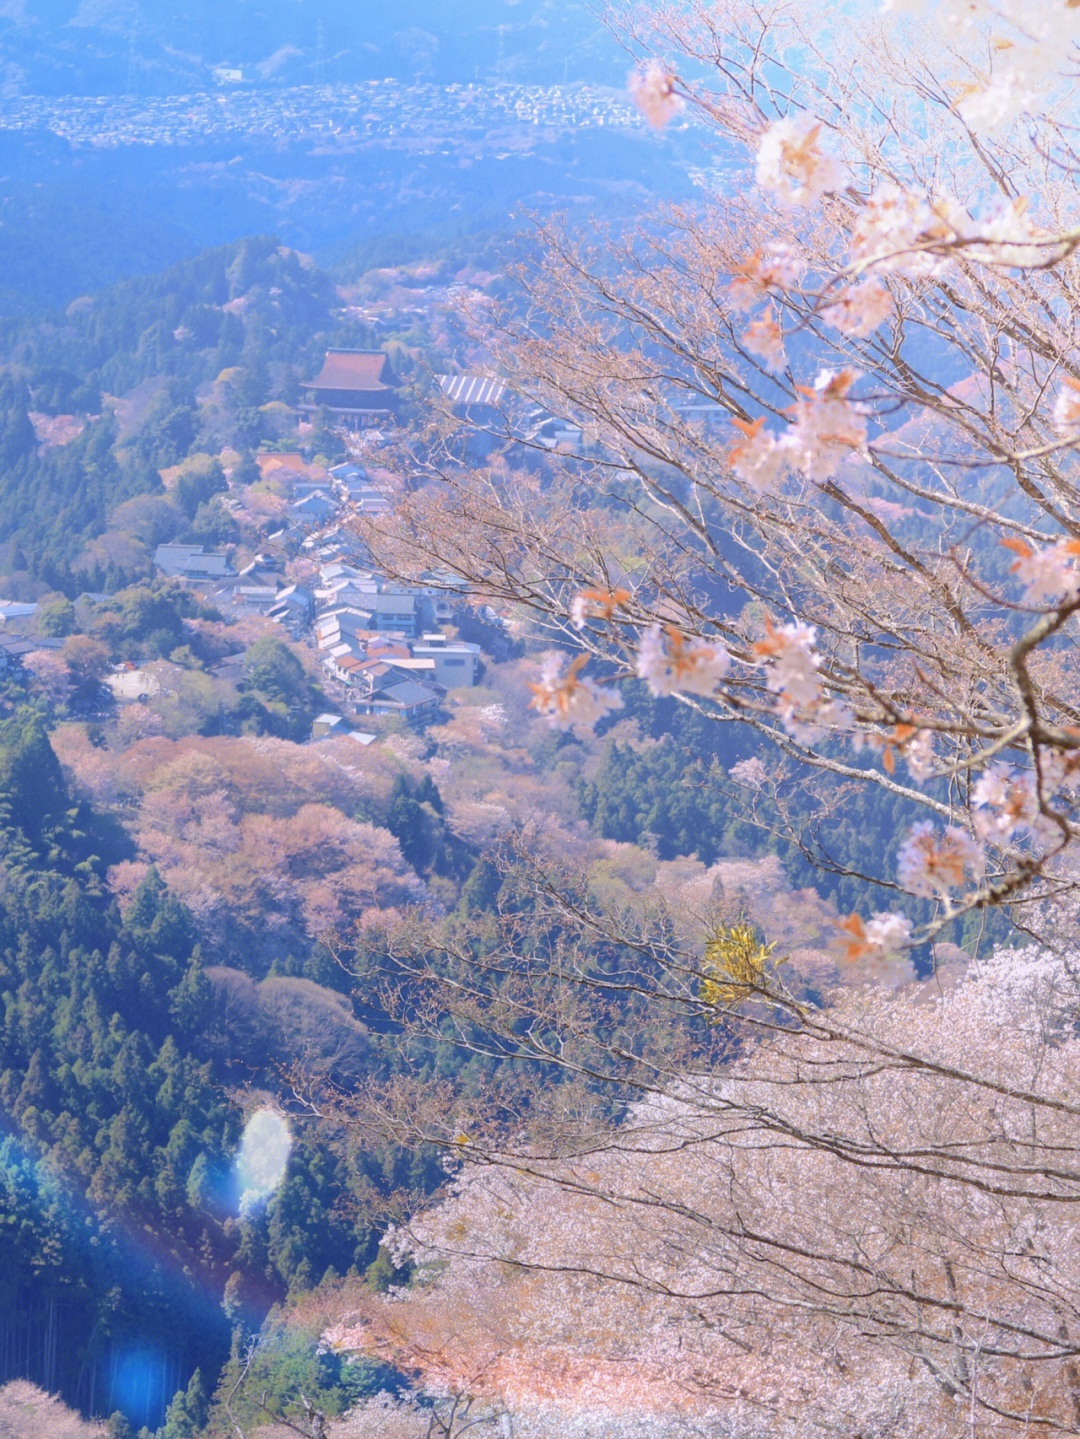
[[356, 388]]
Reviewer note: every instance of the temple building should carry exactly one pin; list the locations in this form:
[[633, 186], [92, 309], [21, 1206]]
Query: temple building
[[356, 387]]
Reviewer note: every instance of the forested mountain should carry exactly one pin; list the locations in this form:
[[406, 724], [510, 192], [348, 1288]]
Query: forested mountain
[[253, 313], [120, 1239], [200, 901]]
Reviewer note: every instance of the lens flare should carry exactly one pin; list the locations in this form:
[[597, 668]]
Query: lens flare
[[139, 1383], [262, 1158]]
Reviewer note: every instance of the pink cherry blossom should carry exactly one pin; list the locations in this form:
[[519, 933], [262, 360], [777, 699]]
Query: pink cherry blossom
[[931, 867], [792, 164], [652, 89], [569, 700], [670, 663]]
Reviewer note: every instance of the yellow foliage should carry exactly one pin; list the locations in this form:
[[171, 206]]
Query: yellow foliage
[[736, 964]]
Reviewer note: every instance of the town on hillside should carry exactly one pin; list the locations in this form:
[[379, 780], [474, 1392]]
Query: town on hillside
[[385, 650]]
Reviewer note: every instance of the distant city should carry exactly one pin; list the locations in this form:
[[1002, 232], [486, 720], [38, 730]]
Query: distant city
[[339, 115]]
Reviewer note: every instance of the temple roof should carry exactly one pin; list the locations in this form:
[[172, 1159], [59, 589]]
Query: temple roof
[[364, 370]]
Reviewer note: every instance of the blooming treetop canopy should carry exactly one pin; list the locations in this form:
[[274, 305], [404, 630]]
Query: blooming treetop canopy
[[760, 1251], [853, 251], [832, 427]]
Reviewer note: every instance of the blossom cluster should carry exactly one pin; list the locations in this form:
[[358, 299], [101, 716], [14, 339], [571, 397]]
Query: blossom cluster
[[765, 338], [826, 428], [1029, 45], [900, 232], [569, 699], [1049, 573], [652, 89], [915, 745], [1067, 409], [760, 459], [792, 664], [670, 663], [858, 310], [1005, 801], [794, 165], [932, 866], [778, 266], [879, 938], [596, 605], [897, 238]]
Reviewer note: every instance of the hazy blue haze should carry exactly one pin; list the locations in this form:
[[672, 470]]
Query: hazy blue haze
[[109, 46]]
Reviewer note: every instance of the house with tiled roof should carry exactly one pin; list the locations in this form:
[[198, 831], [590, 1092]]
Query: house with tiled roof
[[192, 562], [480, 401], [409, 700]]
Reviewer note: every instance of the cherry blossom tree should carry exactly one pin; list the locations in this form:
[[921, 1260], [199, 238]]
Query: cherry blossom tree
[[827, 488], [861, 1213], [50, 675], [828, 480]]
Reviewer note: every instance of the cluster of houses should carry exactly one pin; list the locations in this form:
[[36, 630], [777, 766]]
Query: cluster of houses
[[381, 642]]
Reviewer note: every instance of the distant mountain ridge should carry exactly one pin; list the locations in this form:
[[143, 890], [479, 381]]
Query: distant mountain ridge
[[135, 46]]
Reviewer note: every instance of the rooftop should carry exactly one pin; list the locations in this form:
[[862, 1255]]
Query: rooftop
[[472, 389], [353, 370]]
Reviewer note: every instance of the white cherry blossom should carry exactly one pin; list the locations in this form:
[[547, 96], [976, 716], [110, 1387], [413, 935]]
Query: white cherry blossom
[[1067, 409], [881, 937], [1006, 804], [567, 699], [765, 339], [826, 426], [652, 89], [760, 460], [596, 604], [791, 660], [859, 309], [932, 867], [919, 755], [901, 231], [671, 663], [792, 163], [778, 266]]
